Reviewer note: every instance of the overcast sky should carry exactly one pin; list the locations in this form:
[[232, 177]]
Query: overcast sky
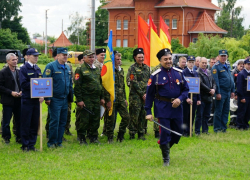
[[33, 13]]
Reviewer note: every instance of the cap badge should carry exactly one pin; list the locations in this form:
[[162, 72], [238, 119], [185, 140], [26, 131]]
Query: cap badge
[[223, 51]]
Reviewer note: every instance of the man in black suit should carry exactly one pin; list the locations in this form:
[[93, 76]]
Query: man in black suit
[[190, 72], [10, 97]]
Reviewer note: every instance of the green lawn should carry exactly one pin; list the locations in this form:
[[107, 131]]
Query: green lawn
[[214, 156]]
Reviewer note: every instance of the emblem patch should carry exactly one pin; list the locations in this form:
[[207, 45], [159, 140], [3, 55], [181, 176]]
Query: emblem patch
[[149, 81], [131, 77], [214, 71], [177, 81], [77, 76], [47, 72]]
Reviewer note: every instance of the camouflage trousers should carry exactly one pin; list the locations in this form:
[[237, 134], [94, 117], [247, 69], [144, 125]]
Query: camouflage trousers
[[67, 127], [86, 121], [137, 117], [121, 108]]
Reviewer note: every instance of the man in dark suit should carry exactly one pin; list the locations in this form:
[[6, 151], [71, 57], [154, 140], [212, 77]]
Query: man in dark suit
[[207, 86], [189, 72], [10, 97]]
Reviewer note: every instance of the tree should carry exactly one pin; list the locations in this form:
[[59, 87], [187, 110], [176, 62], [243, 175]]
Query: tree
[[177, 47], [101, 25], [8, 9], [51, 39], [16, 26], [8, 40], [229, 18]]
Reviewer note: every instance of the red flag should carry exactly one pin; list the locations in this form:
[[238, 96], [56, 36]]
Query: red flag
[[152, 24], [165, 28], [143, 41]]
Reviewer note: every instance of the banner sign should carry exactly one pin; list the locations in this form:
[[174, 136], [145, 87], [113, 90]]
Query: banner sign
[[248, 83], [194, 84], [41, 87]]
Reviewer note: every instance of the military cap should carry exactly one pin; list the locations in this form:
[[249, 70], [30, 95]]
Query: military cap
[[223, 52], [163, 52], [54, 54], [87, 53], [190, 58], [14, 52], [62, 50], [99, 51], [247, 61], [25, 51], [80, 57], [138, 51], [32, 51]]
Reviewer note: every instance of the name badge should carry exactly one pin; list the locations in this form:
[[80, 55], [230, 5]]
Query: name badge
[[30, 74], [85, 72], [222, 70], [58, 72]]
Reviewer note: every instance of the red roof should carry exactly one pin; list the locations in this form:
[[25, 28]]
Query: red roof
[[62, 41], [203, 4], [205, 24]]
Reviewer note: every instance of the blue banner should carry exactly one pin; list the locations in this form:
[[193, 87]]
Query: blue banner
[[194, 84], [248, 83], [41, 87]]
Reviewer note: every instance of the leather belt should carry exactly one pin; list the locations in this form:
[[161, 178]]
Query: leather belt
[[160, 98]]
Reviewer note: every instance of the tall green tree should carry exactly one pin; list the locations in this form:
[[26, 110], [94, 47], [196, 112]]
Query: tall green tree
[[229, 18], [8, 9], [9, 40], [16, 26]]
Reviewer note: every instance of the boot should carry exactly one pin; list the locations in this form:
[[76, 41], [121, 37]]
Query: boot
[[110, 139], [157, 134], [82, 140], [132, 136], [141, 136], [120, 137], [165, 149], [145, 131], [94, 140]]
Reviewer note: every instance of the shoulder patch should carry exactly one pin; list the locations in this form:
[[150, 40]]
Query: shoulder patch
[[177, 69], [47, 72], [131, 77], [77, 76], [149, 82], [214, 71], [156, 72]]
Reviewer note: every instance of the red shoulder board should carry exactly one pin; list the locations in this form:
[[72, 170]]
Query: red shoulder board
[[235, 75]]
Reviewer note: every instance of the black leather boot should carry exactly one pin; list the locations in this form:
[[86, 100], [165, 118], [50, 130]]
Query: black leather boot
[[141, 136], [157, 134], [120, 137], [110, 139], [132, 135], [165, 149], [82, 140]]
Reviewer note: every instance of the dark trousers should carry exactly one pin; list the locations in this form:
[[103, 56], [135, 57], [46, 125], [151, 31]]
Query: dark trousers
[[243, 114], [186, 115], [7, 114], [58, 110], [165, 135], [30, 112], [202, 116]]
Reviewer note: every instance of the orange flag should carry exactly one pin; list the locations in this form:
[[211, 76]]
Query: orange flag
[[164, 34], [155, 46], [143, 41], [152, 24]]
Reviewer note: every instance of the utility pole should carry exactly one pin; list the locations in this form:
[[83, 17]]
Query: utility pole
[[62, 25], [46, 31], [231, 33], [93, 26]]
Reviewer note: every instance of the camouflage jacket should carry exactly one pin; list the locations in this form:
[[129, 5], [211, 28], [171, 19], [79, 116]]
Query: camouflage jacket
[[137, 79], [71, 69], [120, 94], [88, 83], [155, 68], [98, 64]]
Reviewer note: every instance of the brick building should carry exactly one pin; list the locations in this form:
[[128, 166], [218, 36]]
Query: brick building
[[185, 18]]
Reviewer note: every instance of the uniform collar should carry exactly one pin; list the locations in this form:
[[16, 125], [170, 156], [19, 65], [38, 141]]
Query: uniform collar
[[59, 65], [247, 70], [93, 66]]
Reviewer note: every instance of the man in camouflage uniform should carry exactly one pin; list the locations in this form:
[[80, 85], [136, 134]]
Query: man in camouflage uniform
[[119, 105], [100, 56], [137, 78], [89, 93]]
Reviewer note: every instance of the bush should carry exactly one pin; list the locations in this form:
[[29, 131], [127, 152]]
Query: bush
[[43, 59]]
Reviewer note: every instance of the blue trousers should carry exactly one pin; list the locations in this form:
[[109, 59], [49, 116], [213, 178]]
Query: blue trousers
[[186, 115], [221, 112], [173, 124], [202, 116], [58, 110], [7, 114], [30, 112], [243, 115]]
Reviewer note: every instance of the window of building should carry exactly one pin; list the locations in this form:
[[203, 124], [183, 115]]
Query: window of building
[[125, 43], [118, 43], [174, 24], [195, 40], [125, 24], [118, 24], [167, 22]]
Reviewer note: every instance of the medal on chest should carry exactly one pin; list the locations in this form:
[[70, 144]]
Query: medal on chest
[[177, 82]]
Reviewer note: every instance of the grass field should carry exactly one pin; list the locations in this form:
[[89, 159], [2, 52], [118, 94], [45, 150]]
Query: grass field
[[214, 156]]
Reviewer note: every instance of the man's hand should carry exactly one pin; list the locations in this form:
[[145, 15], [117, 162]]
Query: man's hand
[[232, 95], [235, 97], [189, 101], [212, 91], [41, 99], [176, 103], [243, 100], [218, 96], [80, 104], [102, 102], [144, 97], [198, 103], [47, 102], [149, 117], [126, 102], [15, 94], [108, 105]]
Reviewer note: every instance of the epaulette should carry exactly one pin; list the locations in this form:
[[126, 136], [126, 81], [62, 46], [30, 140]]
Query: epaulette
[[156, 72], [177, 69], [217, 63]]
